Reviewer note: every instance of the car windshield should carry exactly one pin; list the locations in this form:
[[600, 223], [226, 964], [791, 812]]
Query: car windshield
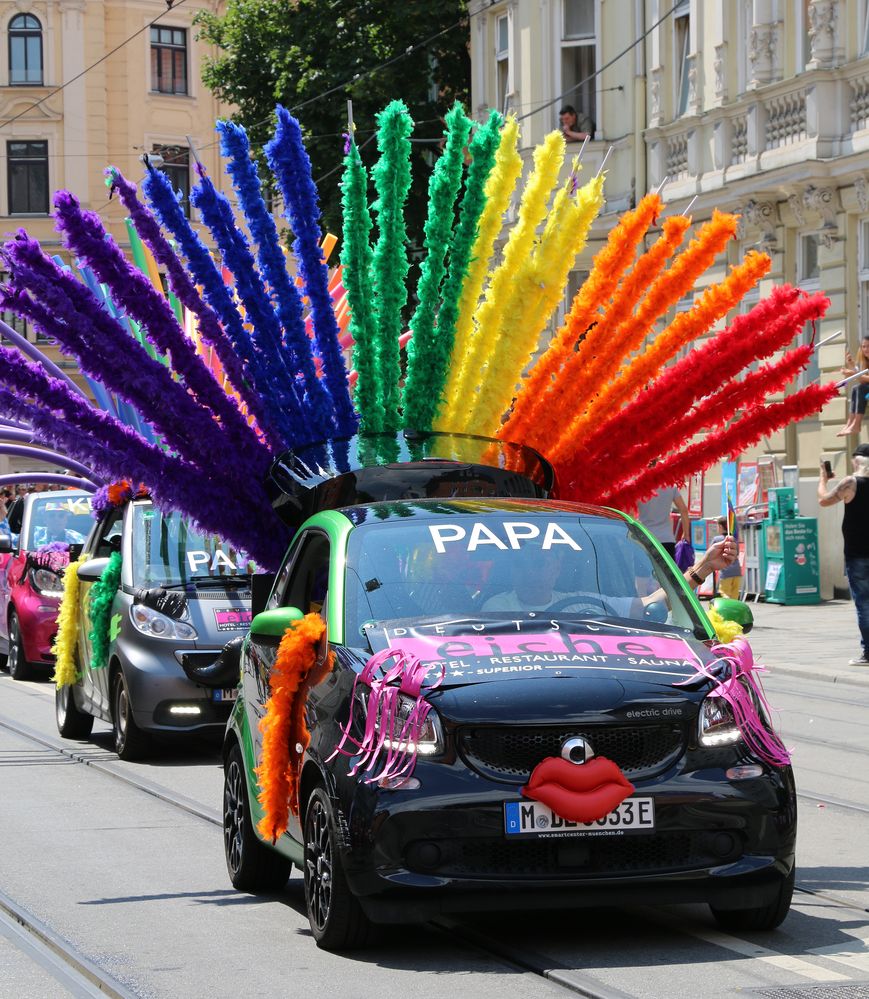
[[58, 517], [167, 551], [494, 565]]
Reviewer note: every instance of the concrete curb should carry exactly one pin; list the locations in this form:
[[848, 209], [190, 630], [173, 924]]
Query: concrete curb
[[848, 679]]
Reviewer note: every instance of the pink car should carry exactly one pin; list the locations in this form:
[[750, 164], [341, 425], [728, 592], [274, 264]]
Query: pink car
[[31, 582]]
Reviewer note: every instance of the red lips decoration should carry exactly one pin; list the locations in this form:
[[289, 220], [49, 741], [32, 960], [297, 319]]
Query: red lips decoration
[[578, 792]]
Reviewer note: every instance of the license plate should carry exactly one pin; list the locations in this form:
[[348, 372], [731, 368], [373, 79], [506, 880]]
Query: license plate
[[531, 818], [226, 694]]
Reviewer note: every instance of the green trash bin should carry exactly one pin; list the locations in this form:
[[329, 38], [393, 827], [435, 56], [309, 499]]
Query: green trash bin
[[790, 548]]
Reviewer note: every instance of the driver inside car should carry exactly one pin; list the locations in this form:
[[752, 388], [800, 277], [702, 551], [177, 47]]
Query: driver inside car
[[535, 589]]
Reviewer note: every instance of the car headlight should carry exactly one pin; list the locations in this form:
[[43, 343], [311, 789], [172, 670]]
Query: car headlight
[[429, 742], [717, 725], [156, 625], [46, 582]]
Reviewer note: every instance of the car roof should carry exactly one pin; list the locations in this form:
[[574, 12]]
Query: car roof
[[431, 509]]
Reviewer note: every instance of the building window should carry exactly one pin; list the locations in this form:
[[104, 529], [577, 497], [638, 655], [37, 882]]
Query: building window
[[176, 166], [681, 49], [502, 62], [16, 322], [864, 32], [25, 50], [804, 39], [863, 279], [809, 279], [28, 177], [169, 60], [579, 61]]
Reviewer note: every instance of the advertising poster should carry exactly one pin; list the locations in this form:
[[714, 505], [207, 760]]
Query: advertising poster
[[728, 483], [748, 485], [695, 495]]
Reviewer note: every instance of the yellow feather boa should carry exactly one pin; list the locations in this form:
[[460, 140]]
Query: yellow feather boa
[[498, 190], [535, 290], [725, 631], [490, 313], [67, 627]]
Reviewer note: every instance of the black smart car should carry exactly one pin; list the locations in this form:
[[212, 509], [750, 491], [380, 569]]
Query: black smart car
[[563, 634]]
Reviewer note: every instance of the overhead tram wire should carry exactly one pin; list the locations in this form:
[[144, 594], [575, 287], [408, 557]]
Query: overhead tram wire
[[170, 7]]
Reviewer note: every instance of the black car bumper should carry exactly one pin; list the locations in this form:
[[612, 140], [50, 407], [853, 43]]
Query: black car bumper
[[442, 848]]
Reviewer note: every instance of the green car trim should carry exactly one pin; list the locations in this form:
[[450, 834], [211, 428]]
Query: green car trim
[[337, 528]]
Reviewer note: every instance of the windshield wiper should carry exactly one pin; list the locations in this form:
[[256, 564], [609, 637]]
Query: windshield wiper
[[236, 580]]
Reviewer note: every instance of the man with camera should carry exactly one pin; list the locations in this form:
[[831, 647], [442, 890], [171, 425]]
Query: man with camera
[[853, 491]]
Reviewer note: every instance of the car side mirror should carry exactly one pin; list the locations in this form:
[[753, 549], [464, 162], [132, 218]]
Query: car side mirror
[[90, 571], [271, 624], [5, 544], [735, 610]]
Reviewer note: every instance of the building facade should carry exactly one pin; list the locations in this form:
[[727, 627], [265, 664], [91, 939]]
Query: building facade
[[758, 107], [128, 88]]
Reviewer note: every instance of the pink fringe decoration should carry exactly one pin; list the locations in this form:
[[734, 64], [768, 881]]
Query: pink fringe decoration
[[406, 676], [742, 689]]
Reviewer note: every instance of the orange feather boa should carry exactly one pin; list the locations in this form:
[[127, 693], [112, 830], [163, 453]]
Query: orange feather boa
[[285, 735]]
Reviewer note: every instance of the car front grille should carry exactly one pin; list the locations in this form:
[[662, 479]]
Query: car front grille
[[592, 857], [510, 753]]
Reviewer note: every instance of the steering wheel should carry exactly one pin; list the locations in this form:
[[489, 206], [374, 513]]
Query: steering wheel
[[583, 603]]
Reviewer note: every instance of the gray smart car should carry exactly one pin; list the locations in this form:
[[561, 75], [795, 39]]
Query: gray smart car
[[183, 596]]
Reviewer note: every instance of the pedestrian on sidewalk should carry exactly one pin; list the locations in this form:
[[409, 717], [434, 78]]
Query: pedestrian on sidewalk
[[853, 491], [654, 515]]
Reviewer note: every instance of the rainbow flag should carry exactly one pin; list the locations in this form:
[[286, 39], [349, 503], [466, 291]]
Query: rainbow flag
[[731, 516]]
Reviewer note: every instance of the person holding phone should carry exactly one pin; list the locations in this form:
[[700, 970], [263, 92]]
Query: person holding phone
[[853, 491], [859, 388]]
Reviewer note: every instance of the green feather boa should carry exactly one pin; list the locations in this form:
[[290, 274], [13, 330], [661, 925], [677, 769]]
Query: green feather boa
[[102, 596], [390, 264], [356, 259], [423, 385]]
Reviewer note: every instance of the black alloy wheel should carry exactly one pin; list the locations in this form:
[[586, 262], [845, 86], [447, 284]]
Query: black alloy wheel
[[18, 666], [71, 723], [764, 917], [252, 865], [336, 917], [131, 743]]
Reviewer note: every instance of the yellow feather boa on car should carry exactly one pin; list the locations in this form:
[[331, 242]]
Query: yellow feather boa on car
[[725, 631], [63, 648]]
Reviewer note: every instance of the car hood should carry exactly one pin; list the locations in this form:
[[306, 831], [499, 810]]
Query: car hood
[[551, 701], [582, 656]]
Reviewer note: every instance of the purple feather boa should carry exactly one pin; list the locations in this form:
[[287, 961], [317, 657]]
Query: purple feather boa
[[270, 258], [116, 452], [85, 236], [179, 281], [291, 166], [215, 211], [254, 388], [64, 309]]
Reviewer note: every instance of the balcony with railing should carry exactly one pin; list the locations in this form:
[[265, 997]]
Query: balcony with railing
[[781, 126]]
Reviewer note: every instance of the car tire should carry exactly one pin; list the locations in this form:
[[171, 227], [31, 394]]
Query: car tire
[[765, 917], [71, 723], [337, 920], [252, 866], [131, 743], [18, 666]]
